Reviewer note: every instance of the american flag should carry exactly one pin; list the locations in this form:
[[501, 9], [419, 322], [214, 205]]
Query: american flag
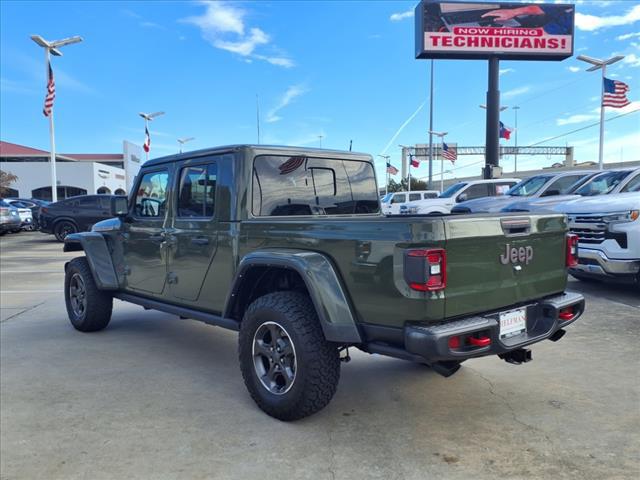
[[291, 165], [391, 169], [51, 93], [147, 140], [449, 153], [615, 94]]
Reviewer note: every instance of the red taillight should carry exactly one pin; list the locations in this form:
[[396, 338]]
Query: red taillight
[[433, 274], [572, 250], [566, 314], [454, 342]]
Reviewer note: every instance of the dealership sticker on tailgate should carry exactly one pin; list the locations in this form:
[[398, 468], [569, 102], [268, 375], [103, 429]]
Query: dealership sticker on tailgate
[[513, 322]]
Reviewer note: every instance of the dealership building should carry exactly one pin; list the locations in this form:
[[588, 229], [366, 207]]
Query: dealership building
[[77, 173]]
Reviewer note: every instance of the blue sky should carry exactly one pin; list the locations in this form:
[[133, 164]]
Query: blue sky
[[341, 70]]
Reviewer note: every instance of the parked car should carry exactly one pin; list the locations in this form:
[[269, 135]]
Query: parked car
[[219, 236], [33, 204], [461, 192], [609, 236], [604, 183], [392, 203], [75, 214], [544, 185], [9, 218], [25, 211]]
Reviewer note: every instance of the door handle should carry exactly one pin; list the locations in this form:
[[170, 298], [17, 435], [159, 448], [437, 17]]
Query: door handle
[[200, 241]]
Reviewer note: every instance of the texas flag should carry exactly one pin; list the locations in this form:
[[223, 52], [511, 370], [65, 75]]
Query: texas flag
[[505, 132], [414, 161]]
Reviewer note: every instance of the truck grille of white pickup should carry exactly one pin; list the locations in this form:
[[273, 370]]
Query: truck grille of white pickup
[[589, 236], [591, 229]]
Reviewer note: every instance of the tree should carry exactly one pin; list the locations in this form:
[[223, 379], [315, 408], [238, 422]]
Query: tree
[[6, 179], [403, 184]]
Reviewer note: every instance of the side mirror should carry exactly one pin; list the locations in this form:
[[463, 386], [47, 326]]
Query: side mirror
[[120, 206], [462, 197]]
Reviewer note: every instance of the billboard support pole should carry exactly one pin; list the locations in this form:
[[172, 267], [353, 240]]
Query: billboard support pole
[[430, 187], [492, 147]]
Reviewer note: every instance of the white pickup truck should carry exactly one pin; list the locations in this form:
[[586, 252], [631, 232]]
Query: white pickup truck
[[460, 192], [608, 229]]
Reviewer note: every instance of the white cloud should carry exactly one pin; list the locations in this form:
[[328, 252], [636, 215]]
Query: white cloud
[[504, 71], [288, 96], [222, 25], [580, 118], [516, 91], [396, 17], [590, 23], [627, 36], [573, 69], [632, 60]]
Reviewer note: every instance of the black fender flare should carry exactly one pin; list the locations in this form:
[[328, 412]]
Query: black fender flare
[[323, 284], [57, 220], [98, 255]]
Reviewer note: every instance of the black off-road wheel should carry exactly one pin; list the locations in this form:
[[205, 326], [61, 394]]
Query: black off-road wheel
[[64, 228], [89, 308], [289, 368]]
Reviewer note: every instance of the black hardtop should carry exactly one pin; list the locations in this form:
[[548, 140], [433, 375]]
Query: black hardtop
[[253, 150]]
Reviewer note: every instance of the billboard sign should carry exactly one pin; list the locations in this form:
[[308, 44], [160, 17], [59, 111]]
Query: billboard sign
[[132, 162], [512, 31]]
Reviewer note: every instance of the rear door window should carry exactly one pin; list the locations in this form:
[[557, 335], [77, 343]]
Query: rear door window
[[197, 191], [562, 185], [477, 191], [88, 202], [414, 196], [633, 185]]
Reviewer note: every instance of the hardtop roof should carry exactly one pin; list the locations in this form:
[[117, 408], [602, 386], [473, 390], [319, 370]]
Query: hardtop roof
[[260, 150]]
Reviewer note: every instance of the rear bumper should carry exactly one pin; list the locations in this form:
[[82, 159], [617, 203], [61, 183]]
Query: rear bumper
[[431, 342], [596, 262]]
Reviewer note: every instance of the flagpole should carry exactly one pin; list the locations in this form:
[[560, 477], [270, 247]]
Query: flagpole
[[600, 154], [409, 181], [52, 138], [146, 129]]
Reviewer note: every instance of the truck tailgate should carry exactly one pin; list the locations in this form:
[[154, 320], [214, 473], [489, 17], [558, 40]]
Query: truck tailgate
[[497, 261]]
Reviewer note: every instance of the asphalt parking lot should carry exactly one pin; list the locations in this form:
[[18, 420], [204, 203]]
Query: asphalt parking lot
[[154, 396]]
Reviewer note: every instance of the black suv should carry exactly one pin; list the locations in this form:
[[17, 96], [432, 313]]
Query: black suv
[[75, 214]]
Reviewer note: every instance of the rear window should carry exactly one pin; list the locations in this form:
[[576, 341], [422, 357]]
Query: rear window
[[300, 185], [414, 196]]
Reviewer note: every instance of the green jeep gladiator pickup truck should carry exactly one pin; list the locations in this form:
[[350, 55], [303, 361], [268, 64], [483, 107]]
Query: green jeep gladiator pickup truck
[[288, 247]]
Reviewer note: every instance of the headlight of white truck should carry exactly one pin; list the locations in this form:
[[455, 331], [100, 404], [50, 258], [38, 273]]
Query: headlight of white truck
[[628, 216]]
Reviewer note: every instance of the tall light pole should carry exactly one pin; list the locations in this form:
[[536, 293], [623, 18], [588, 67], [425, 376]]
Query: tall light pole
[[147, 118], [184, 140], [441, 135], [600, 65], [53, 48], [515, 155], [320, 140]]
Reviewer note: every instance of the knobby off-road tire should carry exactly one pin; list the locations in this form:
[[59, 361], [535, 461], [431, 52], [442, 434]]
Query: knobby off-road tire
[[289, 393], [62, 229], [89, 308]]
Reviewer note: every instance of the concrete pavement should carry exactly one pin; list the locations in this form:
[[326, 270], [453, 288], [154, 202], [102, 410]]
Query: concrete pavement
[[153, 396]]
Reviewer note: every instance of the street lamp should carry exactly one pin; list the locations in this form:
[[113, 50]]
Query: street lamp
[[441, 135], [515, 155], [184, 140], [320, 140], [598, 64], [147, 118], [53, 48]]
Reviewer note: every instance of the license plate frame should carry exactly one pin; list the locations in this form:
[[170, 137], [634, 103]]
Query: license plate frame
[[513, 322]]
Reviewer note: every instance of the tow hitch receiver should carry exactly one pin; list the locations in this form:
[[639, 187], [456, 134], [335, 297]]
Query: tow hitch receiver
[[516, 357]]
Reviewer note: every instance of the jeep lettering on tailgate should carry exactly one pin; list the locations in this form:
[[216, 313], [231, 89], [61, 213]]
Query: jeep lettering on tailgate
[[517, 255], [288, 246]]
